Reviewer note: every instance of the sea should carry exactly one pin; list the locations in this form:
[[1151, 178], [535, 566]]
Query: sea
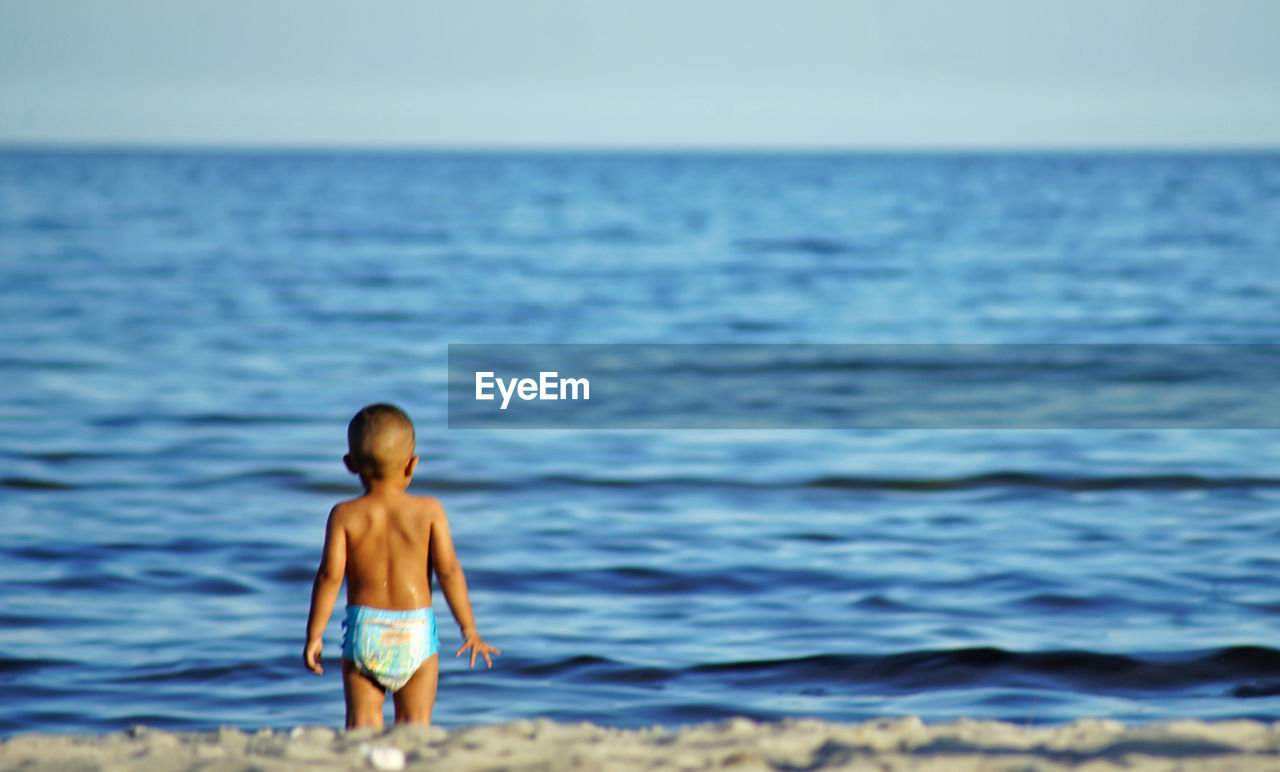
[[184, 335]]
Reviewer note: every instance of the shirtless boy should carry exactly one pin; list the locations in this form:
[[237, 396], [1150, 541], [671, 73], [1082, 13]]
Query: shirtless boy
[[388, 542]]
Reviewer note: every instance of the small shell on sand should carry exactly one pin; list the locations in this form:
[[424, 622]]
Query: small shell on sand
[[737, 744]]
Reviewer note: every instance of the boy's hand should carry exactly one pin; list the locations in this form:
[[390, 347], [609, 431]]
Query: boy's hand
[[311, 655], [478, 647]]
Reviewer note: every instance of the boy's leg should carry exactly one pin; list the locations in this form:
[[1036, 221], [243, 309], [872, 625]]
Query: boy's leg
[[364, 697], [415, 701]]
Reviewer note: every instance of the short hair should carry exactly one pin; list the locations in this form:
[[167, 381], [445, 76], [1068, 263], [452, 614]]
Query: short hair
[[366, 435]]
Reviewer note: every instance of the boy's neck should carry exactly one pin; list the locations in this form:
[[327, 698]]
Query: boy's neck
[[383, 486]]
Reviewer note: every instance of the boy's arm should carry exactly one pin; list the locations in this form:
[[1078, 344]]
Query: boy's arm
[[454, 585], [324, 592]]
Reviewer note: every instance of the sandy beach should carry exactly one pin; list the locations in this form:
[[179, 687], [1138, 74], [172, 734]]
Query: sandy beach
[[735, 744]]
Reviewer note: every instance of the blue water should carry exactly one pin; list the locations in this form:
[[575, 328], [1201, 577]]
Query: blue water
[[185, 335]]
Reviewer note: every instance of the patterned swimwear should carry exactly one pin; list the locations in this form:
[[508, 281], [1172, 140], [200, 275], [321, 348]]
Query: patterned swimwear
[[389, 646]]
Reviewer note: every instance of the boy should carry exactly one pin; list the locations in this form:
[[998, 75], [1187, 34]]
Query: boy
[[390, 541]]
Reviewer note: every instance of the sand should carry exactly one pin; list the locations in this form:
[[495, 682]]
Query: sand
[[735, 744]]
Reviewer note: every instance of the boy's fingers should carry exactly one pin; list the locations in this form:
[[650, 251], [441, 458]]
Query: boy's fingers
[[311, 657], [479, 648]]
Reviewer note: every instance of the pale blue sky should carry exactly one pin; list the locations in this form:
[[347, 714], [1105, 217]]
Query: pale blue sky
[[824, 73]]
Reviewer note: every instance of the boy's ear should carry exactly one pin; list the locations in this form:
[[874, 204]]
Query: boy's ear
[[350, 466], [413, 464]]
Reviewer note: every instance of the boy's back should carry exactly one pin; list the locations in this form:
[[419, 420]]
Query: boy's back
[[386, 544], [388, 549]]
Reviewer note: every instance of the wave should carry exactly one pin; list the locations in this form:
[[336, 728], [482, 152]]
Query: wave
[[649, 582], [35, 484], [810, 245], [371, 234], [297, 480], [1056, 482], [1242, 672], [996, 479]]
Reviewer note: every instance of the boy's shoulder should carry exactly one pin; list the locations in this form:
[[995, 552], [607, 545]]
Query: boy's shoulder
[[427, 505]]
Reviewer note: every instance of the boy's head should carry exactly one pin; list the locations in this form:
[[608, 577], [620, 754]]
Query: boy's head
[[380, 443]]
